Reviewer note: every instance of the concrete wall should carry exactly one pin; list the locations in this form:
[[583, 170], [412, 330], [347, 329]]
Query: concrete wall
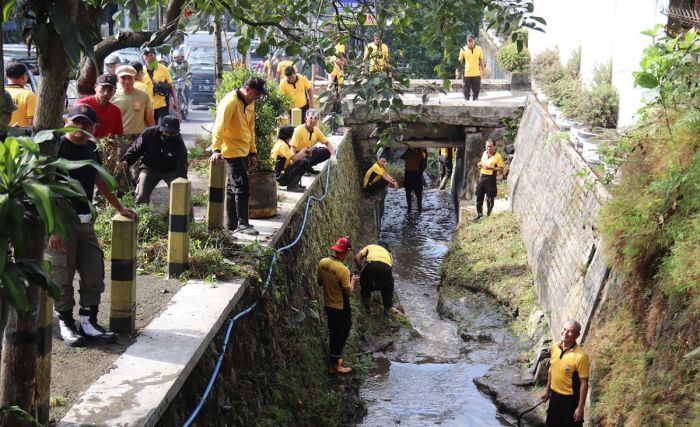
[[282, 344], [606, 30], [556, 199]]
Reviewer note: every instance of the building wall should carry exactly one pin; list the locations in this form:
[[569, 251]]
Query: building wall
[[556, 199], [606, 30]]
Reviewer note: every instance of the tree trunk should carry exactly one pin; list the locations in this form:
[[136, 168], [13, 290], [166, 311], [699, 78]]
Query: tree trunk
[[218, 70], [54, 67], [19, 344]]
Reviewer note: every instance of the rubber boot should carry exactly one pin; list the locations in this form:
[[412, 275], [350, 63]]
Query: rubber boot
[[489, 205], [68, 331], [244, 226]]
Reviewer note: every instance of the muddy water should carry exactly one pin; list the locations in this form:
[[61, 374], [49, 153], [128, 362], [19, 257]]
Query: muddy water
[[426, 377]]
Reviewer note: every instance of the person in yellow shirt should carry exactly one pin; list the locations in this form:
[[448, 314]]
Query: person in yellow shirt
[[334, 276], [473, 58], [282, 66], [378, 55], [267, 66], [415, 162], [491, 163], [299, 88], [163, 90], [376, 177], [289, 166], [567, 379], [445, 158], [25, 100], [335, 84], [307, 136], [375, 263], [233, 140]]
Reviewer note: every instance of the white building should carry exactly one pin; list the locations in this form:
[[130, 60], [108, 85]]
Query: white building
[[606, 30]]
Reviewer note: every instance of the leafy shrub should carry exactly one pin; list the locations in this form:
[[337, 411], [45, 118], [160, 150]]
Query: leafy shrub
[[549, 76], [573, 65], [509, 59], [600, 106], [564, 91], [602, 74], [544, 61], [268, 109]]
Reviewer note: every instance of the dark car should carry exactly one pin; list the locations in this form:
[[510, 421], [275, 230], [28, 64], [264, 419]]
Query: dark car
[[202, 60]]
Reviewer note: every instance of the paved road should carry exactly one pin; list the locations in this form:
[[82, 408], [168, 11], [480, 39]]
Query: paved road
[[192, 127]]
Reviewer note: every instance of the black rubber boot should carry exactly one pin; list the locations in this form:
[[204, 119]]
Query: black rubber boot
[[231, 215], [69, 332], [489, 205], [244, 226]]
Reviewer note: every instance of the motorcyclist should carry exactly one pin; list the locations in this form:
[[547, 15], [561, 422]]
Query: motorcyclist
[[182, 70]]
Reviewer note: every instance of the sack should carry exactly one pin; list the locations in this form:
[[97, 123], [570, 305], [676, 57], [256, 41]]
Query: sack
[[161, 88]]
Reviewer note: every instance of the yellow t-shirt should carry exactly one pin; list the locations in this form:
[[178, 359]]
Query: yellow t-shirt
[[234, 127], [377, 57], [160, 74], [334, 276], [337, 75], [373, 174], [284, 64], [563, 367], [445, 152], [471, 59], [267, 67], [377, 253], [25, 101], [146, 87], [486, 160], [281, 152], [305, 138], [296, 90], [413, 159]]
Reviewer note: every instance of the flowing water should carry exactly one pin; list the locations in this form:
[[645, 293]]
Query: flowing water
[[427, 376]]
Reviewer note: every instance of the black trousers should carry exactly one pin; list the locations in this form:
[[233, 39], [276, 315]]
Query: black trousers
[[319, 155], [560, 412], [339, 324], [486, 187], [413, 184], [445, 166], [292, 174], [473, 83], [376, 187], [237, 190], [158, 113], [377, 276]]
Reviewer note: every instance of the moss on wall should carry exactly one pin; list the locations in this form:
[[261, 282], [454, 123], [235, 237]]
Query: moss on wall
[[274, 371]]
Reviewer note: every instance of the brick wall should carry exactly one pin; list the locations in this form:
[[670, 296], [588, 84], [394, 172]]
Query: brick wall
[[556, 198]]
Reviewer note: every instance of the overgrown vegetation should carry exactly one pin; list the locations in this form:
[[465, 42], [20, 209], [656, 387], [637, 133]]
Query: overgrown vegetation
[[489, 256], [510, 59], [651, 230]]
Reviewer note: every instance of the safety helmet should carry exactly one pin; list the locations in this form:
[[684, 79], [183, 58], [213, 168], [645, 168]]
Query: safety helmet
[[113, 59], [178, 52]]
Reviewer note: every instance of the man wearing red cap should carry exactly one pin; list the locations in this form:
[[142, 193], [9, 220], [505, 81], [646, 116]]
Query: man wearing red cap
[[337, 284]]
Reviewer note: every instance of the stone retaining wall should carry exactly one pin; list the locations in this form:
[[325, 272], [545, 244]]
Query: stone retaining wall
[[556, 198], [274, 368]]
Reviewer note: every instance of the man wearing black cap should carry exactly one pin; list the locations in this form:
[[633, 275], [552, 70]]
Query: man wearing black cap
[[81, 251], [109, 116], [163, 157], [233, 140]]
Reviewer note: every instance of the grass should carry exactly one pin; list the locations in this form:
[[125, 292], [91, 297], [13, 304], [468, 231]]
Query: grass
[[651, 230], [200, 199], [489, 256], [198, 157]]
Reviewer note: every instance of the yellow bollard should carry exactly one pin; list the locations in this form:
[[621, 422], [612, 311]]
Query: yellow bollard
[[296, 116], [42, 377], [215, 208], [178, 237], [122, 308]]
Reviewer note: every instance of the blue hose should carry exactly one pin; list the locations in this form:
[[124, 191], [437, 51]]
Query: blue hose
[[250, 308]]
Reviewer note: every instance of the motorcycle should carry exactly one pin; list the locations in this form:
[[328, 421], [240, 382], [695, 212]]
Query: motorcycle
[[183, 100]]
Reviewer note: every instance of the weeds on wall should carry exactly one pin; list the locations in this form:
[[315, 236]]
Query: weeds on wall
[[651, 231]]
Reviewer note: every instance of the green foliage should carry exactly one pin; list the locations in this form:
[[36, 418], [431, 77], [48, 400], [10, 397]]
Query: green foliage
[[510, 59], [602, 74], [573, 65], [512, 125], [268, 110], [600, 106], [33, 203], [566, 92], [543, 61]]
